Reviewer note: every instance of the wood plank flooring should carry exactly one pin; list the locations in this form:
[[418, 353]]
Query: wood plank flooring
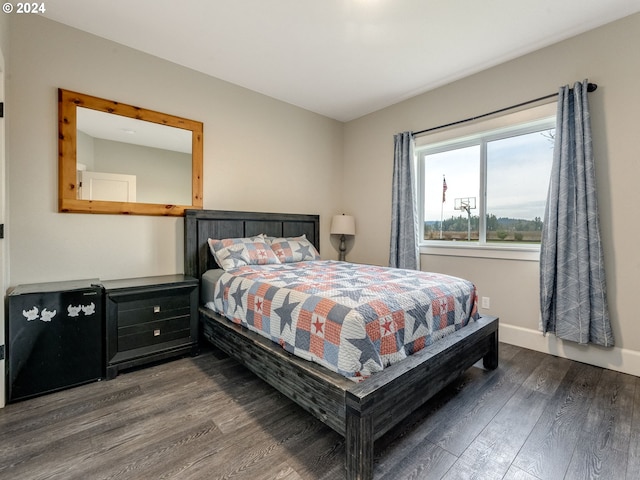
[[536, 417]]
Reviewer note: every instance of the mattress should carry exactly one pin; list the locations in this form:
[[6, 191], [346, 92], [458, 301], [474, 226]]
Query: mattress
[[353, 319]]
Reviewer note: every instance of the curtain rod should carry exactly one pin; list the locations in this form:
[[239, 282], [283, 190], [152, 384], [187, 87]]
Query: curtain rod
[[591, 87]]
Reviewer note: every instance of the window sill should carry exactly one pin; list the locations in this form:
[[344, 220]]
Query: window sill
[[529, 253]]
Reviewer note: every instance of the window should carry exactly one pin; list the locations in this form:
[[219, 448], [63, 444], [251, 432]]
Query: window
[[487, 188]]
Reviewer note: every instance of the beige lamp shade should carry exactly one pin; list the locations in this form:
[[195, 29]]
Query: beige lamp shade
[[343, 225]]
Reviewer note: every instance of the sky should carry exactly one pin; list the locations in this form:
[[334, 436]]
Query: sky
[[518, 170]]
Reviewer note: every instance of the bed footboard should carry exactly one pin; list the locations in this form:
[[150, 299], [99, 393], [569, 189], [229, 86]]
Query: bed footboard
[[361, 412], [376, 405]]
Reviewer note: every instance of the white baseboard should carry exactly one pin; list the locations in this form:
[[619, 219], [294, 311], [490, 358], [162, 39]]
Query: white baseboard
[[618, 359]]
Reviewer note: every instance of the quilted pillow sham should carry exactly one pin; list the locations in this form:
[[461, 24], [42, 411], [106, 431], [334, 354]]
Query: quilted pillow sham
[[237, 252], [294, 249]]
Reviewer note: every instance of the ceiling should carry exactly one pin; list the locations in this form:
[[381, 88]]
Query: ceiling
[[339, 58]]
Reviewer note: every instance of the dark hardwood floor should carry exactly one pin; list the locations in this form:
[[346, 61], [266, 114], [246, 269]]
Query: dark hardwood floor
[[535, 417]]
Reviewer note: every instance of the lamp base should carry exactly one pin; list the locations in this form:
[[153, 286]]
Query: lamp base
[[343, 248]]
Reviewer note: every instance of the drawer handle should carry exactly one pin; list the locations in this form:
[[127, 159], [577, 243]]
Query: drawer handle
[[156, 333], [156, 309]]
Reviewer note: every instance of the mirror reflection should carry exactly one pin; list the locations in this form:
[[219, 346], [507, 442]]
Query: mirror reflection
[[126, 159]]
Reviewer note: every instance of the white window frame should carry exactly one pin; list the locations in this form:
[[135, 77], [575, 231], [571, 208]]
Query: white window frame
[[480, 133]]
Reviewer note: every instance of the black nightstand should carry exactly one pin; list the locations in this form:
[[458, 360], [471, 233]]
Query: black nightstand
[[149, 319]]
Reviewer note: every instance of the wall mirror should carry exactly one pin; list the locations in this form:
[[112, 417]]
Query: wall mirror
[[117, 158]]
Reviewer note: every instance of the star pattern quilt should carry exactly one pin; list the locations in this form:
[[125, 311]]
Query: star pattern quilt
[[353, 319]]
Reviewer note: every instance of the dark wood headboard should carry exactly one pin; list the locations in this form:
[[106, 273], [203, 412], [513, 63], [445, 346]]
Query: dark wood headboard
[[200, 225]]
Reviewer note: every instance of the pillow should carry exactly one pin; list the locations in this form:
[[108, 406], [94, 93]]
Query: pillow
[[294, 249], [237, 252]]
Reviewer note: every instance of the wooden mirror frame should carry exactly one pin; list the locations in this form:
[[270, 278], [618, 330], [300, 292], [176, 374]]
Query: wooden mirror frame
[[67, 150]]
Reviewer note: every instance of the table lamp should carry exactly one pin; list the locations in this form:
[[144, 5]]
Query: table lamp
[[343, 225]]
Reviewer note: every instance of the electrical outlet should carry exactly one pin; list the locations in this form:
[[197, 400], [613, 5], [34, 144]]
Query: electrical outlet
[[486, 302]]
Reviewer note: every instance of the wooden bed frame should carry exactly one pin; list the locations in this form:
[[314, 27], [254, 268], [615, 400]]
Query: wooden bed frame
[[361, 412]]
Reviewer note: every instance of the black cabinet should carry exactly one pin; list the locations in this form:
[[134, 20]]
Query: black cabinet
[[149, 319], [55, 337]]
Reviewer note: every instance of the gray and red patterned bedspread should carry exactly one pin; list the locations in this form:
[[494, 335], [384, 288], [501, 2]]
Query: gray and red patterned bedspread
[[353, 319]]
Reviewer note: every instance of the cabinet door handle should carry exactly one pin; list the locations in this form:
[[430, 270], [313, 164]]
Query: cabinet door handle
[[156, 309]]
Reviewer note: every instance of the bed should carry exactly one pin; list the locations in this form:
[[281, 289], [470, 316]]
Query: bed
[[360, 411]]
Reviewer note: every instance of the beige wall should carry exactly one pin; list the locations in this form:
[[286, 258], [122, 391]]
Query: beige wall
[[607, 56], [253, 145]]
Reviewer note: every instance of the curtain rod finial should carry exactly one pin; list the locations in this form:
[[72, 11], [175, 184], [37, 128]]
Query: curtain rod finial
[[592, 87]]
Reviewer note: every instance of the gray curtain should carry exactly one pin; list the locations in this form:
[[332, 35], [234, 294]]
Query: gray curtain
[[573, 298], [404, 219]]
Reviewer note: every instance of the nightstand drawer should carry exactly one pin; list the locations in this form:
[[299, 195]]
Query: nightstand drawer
[[153, 332], [133, 312]]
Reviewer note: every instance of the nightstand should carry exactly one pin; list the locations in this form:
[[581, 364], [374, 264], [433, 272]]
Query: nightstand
[[149, 319]]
